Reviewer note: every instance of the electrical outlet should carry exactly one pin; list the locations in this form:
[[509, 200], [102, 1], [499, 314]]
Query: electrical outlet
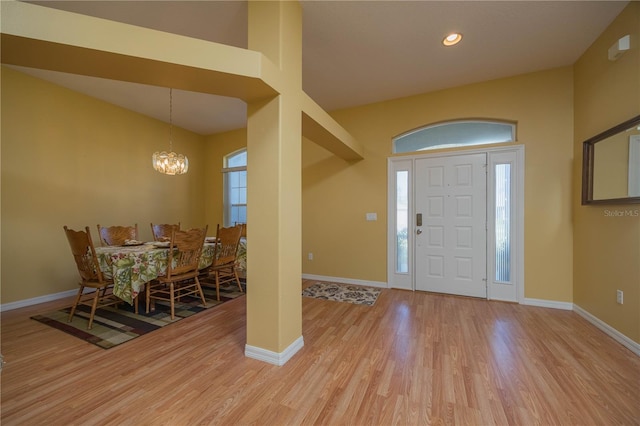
[[310, 256], [620, 296]]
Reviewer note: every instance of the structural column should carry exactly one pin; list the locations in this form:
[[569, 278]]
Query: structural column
[[274, 134]]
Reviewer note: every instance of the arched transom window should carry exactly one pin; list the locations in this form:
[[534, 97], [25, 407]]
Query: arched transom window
[[459, 133]]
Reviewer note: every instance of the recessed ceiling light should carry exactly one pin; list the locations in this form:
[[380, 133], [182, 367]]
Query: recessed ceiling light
[[452, 39]]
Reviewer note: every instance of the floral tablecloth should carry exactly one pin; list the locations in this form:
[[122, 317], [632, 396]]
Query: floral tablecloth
[[132, 267], [242, 255]]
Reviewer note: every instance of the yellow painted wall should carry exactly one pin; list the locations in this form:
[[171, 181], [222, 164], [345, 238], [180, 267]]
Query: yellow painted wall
[[336, 195], [69, 159], [607, 245]]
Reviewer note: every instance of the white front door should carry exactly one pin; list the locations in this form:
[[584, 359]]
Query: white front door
[[450, 225]]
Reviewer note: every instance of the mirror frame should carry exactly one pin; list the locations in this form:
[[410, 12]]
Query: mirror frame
[[588, 150]]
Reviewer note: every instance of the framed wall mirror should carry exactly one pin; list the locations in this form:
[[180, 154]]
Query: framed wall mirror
[[611, 165]]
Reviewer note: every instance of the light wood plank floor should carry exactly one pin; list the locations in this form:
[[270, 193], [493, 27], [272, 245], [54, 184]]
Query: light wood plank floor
[[413, 358]]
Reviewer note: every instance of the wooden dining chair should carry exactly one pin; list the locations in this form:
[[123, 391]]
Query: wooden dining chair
[[181, 279], [162, 231], [84, 254], [225, 260], [117, 235]]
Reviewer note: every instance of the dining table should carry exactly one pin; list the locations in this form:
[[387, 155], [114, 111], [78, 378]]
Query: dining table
[[132, 266]]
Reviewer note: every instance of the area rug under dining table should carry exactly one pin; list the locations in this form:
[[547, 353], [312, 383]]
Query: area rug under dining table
[[114, 325]]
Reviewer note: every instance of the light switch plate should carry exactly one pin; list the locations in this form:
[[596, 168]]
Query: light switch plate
[[372, 216]]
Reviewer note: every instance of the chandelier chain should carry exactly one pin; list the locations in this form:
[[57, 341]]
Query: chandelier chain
[[170, 119]]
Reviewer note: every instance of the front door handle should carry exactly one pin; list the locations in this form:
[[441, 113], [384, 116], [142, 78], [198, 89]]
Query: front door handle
[[419, 231]]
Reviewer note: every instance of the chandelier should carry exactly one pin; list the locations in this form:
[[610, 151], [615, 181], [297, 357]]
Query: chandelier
[[170, 163]]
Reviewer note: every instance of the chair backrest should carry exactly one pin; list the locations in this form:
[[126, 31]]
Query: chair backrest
[[244, 228], [185, 251], [84, 254], [162, 231], [226, 250], [117, 235]]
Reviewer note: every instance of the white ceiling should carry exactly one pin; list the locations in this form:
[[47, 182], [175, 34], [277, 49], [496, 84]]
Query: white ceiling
[[356, 52]]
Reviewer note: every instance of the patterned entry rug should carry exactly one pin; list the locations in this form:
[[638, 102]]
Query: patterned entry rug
[[114, 325], [343, 293]]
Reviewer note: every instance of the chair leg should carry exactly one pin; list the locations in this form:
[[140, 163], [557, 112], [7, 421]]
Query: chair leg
[[173, 301], [148, 294], [204, 302], [218, 285], [93, 308], [75, 304], [235, 272]]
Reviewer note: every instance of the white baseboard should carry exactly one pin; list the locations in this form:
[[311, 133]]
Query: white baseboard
[[271, 357], [352, 281], [542, 303], [34, 301], [612, 332]]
